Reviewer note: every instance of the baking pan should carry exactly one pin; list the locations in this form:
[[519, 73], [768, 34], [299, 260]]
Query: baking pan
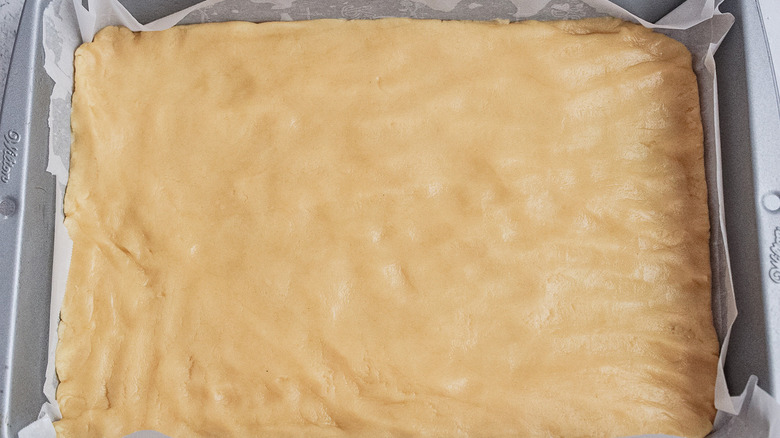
[[26, 227], [750, 124]]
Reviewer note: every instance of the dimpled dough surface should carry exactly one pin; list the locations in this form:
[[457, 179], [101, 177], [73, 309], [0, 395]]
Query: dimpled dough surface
[[387, 228]]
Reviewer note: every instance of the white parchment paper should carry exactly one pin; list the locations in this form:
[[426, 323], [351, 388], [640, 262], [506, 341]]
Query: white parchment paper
[[697, 23]]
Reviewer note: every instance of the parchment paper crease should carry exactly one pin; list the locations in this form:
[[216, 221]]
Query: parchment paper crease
[[697, 23]]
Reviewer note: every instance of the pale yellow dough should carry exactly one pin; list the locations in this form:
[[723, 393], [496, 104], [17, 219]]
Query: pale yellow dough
[[387, 228]]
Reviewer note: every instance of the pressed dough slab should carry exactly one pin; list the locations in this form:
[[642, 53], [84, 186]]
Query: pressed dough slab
[[393, 227]]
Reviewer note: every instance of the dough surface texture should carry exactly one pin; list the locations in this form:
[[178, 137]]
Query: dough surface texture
[[387, 228]]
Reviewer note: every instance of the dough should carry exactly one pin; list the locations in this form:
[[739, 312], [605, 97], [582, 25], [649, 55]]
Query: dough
[[387, 228]]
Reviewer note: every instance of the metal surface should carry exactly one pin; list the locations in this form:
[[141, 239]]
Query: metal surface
[[750, 125], [10, 11], [26, 233], [749, 118]]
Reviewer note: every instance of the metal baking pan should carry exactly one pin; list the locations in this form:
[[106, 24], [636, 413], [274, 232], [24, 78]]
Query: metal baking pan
[[749, 118]]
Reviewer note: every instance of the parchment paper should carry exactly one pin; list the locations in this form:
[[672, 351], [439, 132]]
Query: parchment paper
[[697, 23]]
